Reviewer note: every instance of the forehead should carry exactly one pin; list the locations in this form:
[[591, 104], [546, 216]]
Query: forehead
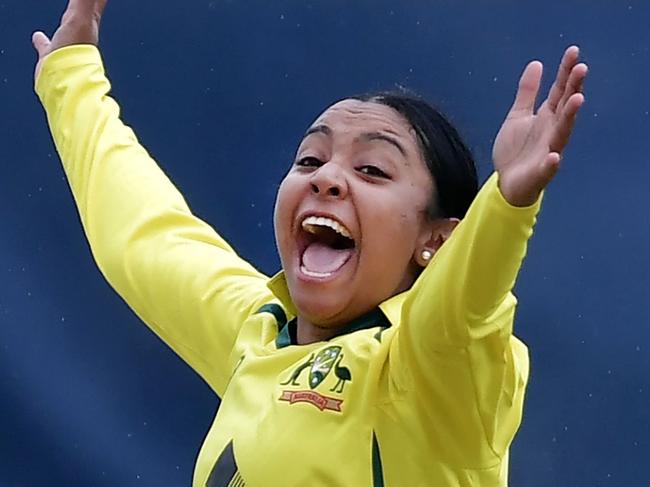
[[352, 116]]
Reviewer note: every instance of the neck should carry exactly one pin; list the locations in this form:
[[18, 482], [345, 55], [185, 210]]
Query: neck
[[308, 332]]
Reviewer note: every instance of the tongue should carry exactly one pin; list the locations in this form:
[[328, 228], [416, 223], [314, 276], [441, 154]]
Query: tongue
[[319, 257]]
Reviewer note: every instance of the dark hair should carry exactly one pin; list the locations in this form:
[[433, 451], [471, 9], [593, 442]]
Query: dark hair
[[449, 160]]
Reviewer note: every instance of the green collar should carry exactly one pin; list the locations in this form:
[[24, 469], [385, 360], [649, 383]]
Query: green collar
[[386, 314], [278, 286]]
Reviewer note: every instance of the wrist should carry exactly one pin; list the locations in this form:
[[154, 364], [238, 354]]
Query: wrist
[[518, 195], [76, 29]]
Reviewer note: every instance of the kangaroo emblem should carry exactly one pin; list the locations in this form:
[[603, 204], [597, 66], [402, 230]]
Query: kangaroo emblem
[[293, 380]]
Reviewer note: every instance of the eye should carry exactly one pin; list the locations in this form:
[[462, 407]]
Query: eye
[[309, 161], [373, 171]]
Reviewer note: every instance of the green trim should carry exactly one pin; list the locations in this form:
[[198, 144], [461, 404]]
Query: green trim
[[377, 470], [225, 468], [377, 335], [376, 317], [277, 311], [284, 336]]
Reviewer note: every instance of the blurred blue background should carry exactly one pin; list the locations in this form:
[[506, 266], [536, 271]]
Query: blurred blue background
[[220, 92]]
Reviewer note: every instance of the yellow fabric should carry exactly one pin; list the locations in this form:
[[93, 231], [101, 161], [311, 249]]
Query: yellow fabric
[[434, 399]]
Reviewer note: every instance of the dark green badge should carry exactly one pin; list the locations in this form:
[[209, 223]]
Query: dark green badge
[[322, 365]]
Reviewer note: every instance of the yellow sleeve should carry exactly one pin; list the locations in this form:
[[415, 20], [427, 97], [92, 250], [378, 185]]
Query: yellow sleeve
[[454, 347], [173, 270]]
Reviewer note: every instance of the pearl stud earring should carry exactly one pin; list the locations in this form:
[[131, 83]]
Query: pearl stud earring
[[426, 255]]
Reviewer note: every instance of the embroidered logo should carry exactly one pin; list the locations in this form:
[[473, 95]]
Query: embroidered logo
[[314, 398], [319, 365], [322, 365], [293, 380], [343, 375]]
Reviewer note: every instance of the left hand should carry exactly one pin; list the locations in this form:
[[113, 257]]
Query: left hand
[[79, 25], [528, 148]]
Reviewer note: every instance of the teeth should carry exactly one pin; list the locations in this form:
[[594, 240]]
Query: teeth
[[325, 222], [313, 273]]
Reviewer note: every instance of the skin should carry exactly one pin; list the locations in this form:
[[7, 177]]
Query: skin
[[526, 154], [360, 164]]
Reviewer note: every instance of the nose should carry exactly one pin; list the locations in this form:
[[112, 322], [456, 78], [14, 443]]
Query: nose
[[329, 181]]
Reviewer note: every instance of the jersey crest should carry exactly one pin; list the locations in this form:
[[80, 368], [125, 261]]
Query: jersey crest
[[320, 366], [323, 364]]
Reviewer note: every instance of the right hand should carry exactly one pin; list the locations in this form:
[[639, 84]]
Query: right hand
[[79, 25], [529, 145]]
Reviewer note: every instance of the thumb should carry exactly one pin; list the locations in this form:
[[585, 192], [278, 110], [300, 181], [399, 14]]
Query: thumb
[[528, 88], [41, 43]]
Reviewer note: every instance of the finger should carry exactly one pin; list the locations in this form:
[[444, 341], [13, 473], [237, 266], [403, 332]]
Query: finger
[[569, 60], [41, 43], [564, 126], [575, 83], [549, 168], [528, 88]]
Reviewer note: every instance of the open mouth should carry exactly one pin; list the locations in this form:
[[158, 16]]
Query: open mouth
[[326, 246]]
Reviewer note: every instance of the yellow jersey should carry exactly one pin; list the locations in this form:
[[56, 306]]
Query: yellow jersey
[[427, 389]]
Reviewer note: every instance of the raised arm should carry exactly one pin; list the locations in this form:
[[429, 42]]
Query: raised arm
[[456, 336], [177, 274], [474, 271]]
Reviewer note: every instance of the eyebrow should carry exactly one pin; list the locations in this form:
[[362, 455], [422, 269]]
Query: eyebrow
[[370, 136], [318, 129], [386, 138]]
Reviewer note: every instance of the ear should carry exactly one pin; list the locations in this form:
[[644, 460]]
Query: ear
[[435, 234]]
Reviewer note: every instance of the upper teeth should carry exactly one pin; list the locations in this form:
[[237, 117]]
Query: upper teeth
[[325, 222]]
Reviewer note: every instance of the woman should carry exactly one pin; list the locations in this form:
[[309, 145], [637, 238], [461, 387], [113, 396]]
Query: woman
[[383, 353]]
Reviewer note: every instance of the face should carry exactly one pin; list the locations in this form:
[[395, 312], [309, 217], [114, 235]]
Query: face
[[351, 213]]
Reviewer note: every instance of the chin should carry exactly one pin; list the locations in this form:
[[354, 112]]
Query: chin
[[320, 307]]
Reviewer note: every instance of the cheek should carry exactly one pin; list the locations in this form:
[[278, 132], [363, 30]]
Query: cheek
[[282, 212], [402, 212], [393, 228], [288, 199]]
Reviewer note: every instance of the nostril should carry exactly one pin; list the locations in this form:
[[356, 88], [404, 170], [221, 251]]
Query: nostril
[[334, 191], [314, 188]]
